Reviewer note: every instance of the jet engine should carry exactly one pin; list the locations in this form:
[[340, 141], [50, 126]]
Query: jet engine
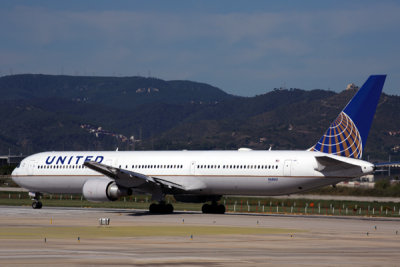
[[98, 190]]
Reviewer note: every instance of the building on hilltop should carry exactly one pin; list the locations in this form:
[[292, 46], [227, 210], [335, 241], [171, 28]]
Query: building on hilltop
[[352, 86]]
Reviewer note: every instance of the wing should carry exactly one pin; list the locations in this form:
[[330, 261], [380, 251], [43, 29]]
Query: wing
[[138, 181]]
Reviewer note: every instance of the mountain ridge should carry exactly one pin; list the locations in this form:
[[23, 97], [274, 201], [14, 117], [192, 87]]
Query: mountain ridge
[[42, 112]]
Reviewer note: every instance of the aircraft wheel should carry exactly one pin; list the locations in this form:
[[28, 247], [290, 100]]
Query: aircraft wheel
[[206, 208], [153, 208], [169, 208], [37, 205], [161, 208], [220, 209], [213, 209]]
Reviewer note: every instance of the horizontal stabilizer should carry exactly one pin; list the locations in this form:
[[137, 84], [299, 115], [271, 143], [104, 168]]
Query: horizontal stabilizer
[[387, 164], [328, 164]]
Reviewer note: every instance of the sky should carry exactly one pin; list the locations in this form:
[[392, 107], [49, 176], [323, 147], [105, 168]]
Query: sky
[[243, 47]]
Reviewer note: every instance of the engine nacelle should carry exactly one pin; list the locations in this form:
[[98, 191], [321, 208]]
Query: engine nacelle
[[98, 190]]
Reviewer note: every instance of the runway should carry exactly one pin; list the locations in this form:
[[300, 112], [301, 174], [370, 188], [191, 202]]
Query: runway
[[74, 237]]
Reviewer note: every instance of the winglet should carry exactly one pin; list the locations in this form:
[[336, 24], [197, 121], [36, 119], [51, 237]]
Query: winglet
[[348, 134]]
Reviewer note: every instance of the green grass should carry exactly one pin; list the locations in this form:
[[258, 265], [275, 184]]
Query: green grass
[[133, 202], [92, 232], [233, 204]]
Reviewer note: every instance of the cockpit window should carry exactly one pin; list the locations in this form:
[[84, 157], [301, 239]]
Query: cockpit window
[[19, 165]]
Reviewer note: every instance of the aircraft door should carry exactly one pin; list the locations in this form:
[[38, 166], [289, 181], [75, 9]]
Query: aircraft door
[[287, 168], [31, 167], [193, 167]]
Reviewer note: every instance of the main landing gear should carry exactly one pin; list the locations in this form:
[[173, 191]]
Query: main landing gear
[[36, 204], [161, 208], [214, 208]]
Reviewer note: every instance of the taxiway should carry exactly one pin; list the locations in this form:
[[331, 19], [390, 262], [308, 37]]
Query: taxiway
[[72, 236]]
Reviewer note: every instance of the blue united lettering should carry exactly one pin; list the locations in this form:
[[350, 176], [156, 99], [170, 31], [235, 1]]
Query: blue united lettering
[[61, 160], [68, 160]]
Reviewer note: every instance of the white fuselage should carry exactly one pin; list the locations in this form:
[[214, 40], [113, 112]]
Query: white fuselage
[[262, 173]]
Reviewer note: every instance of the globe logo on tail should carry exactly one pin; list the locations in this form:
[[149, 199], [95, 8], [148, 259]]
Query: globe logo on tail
[[342, 139]]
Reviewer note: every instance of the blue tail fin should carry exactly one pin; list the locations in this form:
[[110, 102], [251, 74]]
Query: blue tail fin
[[348, 134]]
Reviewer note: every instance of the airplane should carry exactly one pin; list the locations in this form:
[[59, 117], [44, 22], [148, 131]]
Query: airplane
[[205, 176]]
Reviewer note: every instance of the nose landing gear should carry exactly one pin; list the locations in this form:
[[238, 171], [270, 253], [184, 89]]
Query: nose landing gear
[[36, 204]]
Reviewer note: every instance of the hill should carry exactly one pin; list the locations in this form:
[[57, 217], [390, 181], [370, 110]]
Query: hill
[[121, 92], [46, 112]]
